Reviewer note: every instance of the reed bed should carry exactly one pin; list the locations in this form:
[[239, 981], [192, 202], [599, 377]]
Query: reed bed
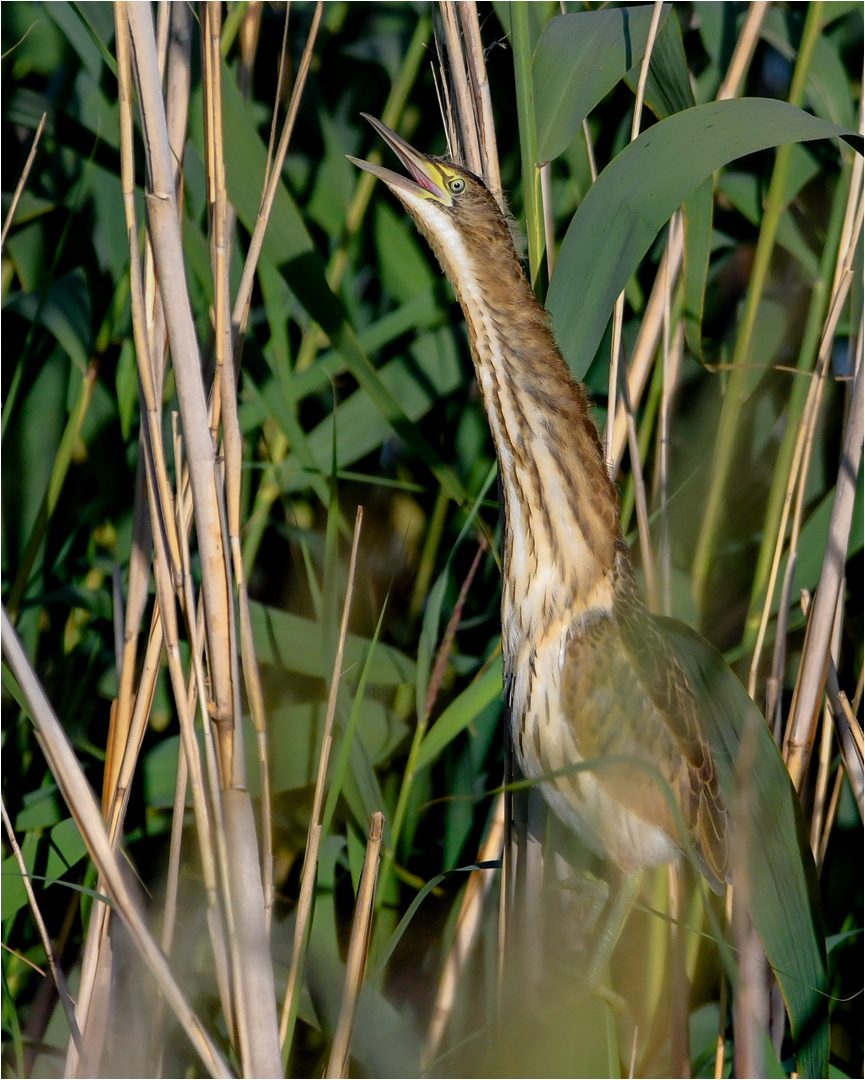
[[259, 816]]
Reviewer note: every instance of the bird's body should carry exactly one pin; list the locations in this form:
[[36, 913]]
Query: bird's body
[[587, 674]]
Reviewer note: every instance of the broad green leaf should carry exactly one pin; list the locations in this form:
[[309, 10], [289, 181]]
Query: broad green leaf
[[744, 192], [420, 313], [294, 643], [460, 713], [637, 193], [812, 545], [578, 60], [828, 87], [668, 87], [334, 179], [40, 811], [13, 895], [67, 848], [77, 35], [289, 247], [785, 905], [404, 272], [432, 370], [65, 313]]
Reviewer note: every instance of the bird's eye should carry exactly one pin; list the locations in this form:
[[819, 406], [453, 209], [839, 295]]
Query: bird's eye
[[457, 185]]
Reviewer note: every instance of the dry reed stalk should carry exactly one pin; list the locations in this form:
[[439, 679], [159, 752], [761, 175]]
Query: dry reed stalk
[[462, 89], [80, 799], [799, 467], [170, 569], [672, 370], [821, 784], [483, 108], [804, 710], [750, 999], [647, 556], [648, 337], [549, 224], [22, 180], [744, 51], [358, 950], [168, 254], [54, 964], [467, 928], [313, 839], [834, 799], [619, 309], [671, 261], [136, 600], [244, 292], [225, 392], [250, 27]]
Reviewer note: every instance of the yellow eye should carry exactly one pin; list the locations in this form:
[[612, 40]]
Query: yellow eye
[[457, 185]]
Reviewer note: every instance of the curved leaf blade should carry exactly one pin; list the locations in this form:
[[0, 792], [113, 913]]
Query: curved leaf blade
[[578, 60], [785, 895], [637, 193]]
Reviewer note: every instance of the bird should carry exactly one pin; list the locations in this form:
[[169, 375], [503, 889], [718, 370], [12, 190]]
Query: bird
[[601, 715]]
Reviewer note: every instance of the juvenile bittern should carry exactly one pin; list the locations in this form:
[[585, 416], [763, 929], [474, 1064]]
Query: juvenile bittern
[[587, 673]]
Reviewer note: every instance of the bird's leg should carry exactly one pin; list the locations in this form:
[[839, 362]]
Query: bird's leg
[[612, 927]]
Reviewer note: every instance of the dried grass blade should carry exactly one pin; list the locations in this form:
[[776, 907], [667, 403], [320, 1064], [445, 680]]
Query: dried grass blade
[[744, 51], [468, 126], [244, 292], [468, 924], [22, 180], [619, 310], [313, 840], [56, 970], [483, 102], [358, 949], [168, 254], [82, 802], [799, 734]]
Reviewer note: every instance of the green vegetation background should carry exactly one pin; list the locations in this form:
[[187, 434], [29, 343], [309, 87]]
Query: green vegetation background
[[66, 311]]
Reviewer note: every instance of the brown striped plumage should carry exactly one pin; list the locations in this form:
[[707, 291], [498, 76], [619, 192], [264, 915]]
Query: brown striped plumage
[[588, 675]]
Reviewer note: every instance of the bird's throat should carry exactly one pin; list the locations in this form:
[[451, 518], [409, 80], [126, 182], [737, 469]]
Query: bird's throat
[[561, 516]]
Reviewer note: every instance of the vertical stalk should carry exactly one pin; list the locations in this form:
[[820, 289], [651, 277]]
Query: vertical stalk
[[528, 138], [736, 391]]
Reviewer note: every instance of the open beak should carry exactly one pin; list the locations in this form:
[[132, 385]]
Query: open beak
[[425, 178]]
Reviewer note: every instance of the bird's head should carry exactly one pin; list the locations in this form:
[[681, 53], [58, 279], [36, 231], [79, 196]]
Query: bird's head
[[451, 206]]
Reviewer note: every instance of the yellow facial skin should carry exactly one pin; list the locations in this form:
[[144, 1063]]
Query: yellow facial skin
[[430, 179]]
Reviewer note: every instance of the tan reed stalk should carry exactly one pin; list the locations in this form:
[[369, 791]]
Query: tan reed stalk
[[646, 554], [467, 928], [136, 600], [225, 391], [648, 337], [358, 950], [619, 309], [800, 731], [244, 292], [834, 799], [22, 181], [744, 52], [168, 254], [56, 970], [672, 370], [671, 261], [483, 107], [313, 840], [465, 104], [821, 784], [81, 801], [841, 284], [549, 224]]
